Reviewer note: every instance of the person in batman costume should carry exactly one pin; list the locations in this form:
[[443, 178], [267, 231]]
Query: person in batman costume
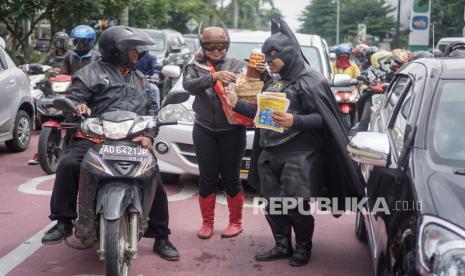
[[301, 162]]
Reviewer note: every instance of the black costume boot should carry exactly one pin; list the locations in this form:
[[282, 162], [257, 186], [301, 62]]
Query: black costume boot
[[61, 230], [165, 249], [302, 254], [283, 249], [281, 229], [303, 228]]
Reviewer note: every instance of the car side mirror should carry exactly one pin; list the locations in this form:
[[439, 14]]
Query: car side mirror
[[369, 148], [171, 71], [176, 97], [342, 80]]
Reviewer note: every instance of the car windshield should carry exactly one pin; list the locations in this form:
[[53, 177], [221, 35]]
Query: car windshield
[[448, 129], [191, 44], [242, 50], [159, 39]]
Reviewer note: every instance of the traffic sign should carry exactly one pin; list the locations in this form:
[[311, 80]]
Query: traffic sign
[[192, 24]]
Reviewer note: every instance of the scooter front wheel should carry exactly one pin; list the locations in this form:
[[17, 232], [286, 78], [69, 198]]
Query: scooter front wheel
[[117, 260], [49, 149]]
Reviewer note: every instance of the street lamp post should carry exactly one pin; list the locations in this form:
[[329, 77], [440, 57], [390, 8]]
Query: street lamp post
[[397, 39], [338, 8]]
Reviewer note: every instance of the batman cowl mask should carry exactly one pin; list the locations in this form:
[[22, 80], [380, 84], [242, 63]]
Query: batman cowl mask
[[283, 44]]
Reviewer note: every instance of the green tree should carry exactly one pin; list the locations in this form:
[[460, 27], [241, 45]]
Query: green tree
[[373, 13], [251, 14], [319, 17], [168, 13], [20, 18], [447, 17]]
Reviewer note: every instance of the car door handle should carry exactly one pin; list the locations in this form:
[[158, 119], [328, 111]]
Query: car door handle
[[12, 82]]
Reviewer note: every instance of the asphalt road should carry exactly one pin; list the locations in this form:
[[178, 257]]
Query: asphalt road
[[25, 195]]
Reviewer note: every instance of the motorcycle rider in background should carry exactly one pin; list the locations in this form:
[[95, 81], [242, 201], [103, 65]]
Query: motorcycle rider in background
[[83, 38], [377, 71], [148, 65], [343, 64], [55, 58], [107, 85]]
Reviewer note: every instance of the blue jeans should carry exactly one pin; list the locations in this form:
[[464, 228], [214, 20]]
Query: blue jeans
[[156, 93]]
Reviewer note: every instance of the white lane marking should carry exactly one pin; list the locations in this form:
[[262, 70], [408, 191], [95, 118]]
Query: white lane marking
[[221, 199], [188, 190], [30, 186], [24, 250], [29, 247]]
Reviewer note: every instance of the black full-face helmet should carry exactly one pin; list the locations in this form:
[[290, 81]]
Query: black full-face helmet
[[115, 43]]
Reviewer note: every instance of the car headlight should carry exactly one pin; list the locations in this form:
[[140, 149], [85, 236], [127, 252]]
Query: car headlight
[[176, 112], [92, 126], [60, 87], [117, 130], [144, 124], [442, 248]]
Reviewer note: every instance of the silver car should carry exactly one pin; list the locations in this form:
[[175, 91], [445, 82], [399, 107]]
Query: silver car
[[174, 145], [16, 105]]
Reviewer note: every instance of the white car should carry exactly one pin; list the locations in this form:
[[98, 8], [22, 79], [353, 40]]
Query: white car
[[174, 145], [16, 105]]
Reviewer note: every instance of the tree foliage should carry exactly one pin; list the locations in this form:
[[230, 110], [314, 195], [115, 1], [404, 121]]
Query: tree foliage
[[447, 17], [319, 17], [171, 14], [252, 14], [20, 18]]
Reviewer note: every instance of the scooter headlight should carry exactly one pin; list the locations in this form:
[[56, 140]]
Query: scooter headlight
[[92, 126], [117, 130], [146, 123]]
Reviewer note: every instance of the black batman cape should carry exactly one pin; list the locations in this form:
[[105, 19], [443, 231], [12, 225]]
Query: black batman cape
[[341, 176]]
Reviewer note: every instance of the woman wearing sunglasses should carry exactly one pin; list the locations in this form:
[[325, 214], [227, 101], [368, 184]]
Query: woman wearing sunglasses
[[219, 145]]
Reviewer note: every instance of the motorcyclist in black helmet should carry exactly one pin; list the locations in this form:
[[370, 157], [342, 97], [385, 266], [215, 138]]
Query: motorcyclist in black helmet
[[108, 84], [60, 42]]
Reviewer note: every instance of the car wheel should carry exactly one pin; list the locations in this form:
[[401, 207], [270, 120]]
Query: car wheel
[[21, 133], [170, 178], [360, 229]]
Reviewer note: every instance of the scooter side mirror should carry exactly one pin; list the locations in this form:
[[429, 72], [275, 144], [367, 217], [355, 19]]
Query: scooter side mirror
[[64, 104], [176, 97]]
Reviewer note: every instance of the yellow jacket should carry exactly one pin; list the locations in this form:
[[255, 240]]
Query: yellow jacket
[[352, 70]]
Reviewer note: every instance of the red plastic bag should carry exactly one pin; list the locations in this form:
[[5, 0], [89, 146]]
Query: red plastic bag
[[233, 117]]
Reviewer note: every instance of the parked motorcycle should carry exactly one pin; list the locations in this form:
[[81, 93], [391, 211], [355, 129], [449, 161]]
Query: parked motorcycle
[[346, 92], [52, 137], [36, 73], [117, 183]]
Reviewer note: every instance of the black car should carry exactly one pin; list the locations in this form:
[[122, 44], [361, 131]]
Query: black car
[[413, 161], [170, 48]]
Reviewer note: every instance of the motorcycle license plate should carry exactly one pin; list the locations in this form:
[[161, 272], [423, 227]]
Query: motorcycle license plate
[[124, 153], [245, 166]]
